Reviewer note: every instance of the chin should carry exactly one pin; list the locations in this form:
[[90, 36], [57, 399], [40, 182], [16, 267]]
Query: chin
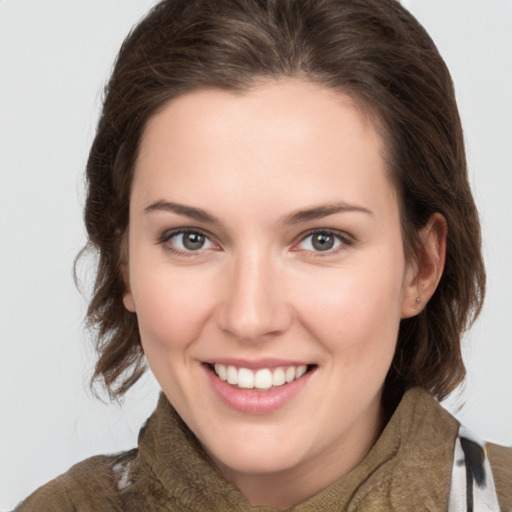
[[254, 462], [266, 456]]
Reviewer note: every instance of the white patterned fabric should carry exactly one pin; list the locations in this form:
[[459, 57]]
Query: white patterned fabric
[[472, 488]]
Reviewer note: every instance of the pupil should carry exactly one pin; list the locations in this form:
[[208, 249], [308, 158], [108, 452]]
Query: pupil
[[323, 242], [193, 241]]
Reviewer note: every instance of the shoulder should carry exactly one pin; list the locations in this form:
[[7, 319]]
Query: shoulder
[[500, 458], [90, 485], [51, 497]]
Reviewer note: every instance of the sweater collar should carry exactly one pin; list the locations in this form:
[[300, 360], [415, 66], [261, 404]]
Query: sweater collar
[[408, 468]]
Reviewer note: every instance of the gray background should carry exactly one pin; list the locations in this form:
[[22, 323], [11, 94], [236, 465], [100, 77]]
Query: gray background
[[54, 58]]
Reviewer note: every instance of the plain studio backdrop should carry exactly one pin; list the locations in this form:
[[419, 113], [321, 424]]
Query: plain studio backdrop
[[54, 59]]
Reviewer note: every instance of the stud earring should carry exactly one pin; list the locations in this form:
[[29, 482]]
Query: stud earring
[[418, 301]]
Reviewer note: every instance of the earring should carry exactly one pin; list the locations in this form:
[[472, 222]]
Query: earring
[[418, 302]]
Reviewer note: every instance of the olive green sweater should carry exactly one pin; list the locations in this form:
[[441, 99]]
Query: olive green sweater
[[408, 469]]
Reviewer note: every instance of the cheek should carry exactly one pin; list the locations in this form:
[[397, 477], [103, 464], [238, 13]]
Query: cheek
[[171, 305], [355, 310]]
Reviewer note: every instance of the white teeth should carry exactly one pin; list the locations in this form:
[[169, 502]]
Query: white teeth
[[245, 378], [232, 375], [290, 374], [221, 371], [264, 378], [301, 370], [278, 377]]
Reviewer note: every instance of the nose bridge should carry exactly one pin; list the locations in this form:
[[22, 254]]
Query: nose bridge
[[254, 306]]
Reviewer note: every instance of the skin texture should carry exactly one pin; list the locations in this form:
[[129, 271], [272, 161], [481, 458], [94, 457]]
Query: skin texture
[[259, 289]]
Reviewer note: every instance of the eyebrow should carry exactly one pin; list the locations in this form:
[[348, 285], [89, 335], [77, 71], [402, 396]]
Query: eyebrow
[[296, 217], [180, 209], [321, 211]]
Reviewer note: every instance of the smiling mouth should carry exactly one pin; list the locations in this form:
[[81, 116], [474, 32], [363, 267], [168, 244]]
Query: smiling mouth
[[262, 379]]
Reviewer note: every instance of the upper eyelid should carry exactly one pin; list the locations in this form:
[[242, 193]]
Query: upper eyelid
[[342, 235], [346, 240], [164, 241], [169, 233]]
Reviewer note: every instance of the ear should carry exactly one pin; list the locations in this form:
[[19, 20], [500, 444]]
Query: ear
[[426, 269], [128, 301]]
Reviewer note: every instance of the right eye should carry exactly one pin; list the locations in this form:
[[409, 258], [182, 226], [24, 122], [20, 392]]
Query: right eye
[[187, 241]]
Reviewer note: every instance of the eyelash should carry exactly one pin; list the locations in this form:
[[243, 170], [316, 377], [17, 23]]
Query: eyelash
[[343, 238], [168, 235]]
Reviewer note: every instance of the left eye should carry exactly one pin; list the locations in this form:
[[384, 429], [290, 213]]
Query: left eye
[[187, 241], [321, 241]]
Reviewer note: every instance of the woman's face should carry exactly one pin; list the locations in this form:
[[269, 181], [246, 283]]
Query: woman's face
[[264, 240]]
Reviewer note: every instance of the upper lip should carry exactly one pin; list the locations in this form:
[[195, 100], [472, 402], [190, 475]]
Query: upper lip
[[256, 364]]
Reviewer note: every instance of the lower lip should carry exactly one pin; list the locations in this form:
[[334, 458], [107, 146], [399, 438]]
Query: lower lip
[[254, 401]]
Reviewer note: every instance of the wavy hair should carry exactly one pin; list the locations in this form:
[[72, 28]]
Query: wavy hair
[[376, 52]]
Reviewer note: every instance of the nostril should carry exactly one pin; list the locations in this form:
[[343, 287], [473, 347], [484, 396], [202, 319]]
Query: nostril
[[253, 328]]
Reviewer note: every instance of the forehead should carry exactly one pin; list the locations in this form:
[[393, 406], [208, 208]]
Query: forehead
[[291, 140]]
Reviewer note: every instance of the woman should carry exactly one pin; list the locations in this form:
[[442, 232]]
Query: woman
[[279, 198]]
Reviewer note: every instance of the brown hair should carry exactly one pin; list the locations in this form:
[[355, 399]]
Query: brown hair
[[372, 50]]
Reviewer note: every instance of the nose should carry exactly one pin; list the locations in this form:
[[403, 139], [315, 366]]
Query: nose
[[254, 307]]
